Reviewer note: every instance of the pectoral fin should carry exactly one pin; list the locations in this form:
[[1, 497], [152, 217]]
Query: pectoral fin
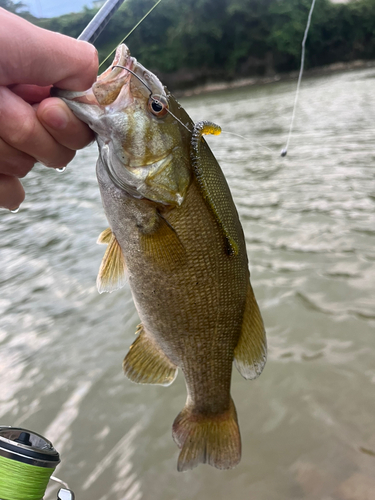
[[250, 355], [164, 246], [213, 185], [146, 363], [105, 237], [112, 272]]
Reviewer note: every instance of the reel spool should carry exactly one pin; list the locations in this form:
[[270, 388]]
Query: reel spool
[[27, 461]]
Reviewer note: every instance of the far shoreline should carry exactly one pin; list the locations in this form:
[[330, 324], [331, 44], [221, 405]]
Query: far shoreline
[[211, 87]]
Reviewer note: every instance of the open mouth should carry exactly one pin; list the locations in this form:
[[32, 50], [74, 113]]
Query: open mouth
[[122, 58], [108, 84]]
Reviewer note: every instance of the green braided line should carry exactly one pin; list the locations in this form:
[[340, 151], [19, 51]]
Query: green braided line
[[19, 481]]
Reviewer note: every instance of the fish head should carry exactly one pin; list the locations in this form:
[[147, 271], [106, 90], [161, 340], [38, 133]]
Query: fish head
[[142, 132]]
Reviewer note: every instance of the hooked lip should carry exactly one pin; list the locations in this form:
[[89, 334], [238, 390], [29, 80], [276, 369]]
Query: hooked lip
[[112, 74], [122, 58]]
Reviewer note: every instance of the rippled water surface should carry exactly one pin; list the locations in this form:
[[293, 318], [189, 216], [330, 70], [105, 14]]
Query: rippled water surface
[[308, 423]]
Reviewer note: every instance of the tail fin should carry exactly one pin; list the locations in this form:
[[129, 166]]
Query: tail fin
[[207, 439]]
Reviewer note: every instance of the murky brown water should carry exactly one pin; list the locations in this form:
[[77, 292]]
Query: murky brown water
[[308, 423]]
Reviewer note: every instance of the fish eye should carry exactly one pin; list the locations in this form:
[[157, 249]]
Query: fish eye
[[158, 105]]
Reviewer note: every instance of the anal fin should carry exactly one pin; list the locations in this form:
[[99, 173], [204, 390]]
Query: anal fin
[[250, 354], [146, 363], [112, 272]]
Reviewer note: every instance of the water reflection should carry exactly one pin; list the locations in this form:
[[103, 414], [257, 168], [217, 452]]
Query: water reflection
[[124, 484]]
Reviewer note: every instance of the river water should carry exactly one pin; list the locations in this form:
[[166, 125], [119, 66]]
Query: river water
[[308, 423]]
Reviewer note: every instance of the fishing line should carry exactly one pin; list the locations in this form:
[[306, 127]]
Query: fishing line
[[179, 121], [134, 74], [21, 481], [27, 462], [175, 117], [59, 481], [247, 139], [151, 95], [131, 31], [285, 150]]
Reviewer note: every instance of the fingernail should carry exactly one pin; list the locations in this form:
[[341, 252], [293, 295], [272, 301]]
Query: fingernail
[[55, 117], [14, 210]]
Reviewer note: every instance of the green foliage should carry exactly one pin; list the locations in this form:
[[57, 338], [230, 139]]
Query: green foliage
[[69, 24], [15, 7], [191, 41]]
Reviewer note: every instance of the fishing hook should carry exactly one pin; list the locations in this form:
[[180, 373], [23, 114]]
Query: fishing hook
[[135, 74], [151, 95]]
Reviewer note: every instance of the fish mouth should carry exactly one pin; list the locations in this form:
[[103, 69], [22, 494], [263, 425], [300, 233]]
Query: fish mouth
[[107, 85], [122, 58]]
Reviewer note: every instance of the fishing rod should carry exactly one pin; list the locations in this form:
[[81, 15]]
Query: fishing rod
[[100, 21]]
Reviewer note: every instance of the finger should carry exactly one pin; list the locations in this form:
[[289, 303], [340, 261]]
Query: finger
[[12, 193], [43, 57], [21, 129], [31, 93], [63, 125], [14, 162]]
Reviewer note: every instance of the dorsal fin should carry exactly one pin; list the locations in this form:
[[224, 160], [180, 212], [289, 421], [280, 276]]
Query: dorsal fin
[[112, 272], [213, 184]]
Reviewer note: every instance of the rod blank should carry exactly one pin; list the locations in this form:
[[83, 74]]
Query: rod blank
[[100, 21]]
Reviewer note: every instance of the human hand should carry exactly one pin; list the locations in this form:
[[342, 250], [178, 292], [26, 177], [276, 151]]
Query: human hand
[[33, 126]]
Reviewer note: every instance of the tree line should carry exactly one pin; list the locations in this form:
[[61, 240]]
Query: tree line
[[189, 42]]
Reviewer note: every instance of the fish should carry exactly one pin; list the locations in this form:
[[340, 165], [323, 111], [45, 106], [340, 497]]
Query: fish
[[175, 235]]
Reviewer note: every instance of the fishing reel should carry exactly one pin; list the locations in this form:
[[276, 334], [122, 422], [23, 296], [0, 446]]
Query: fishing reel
[[27, 461]]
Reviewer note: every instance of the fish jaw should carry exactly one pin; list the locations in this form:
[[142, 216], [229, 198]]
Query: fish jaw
[[142, 153], [90, 105]]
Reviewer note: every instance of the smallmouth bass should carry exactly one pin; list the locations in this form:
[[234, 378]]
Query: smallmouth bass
[[175, 233]]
